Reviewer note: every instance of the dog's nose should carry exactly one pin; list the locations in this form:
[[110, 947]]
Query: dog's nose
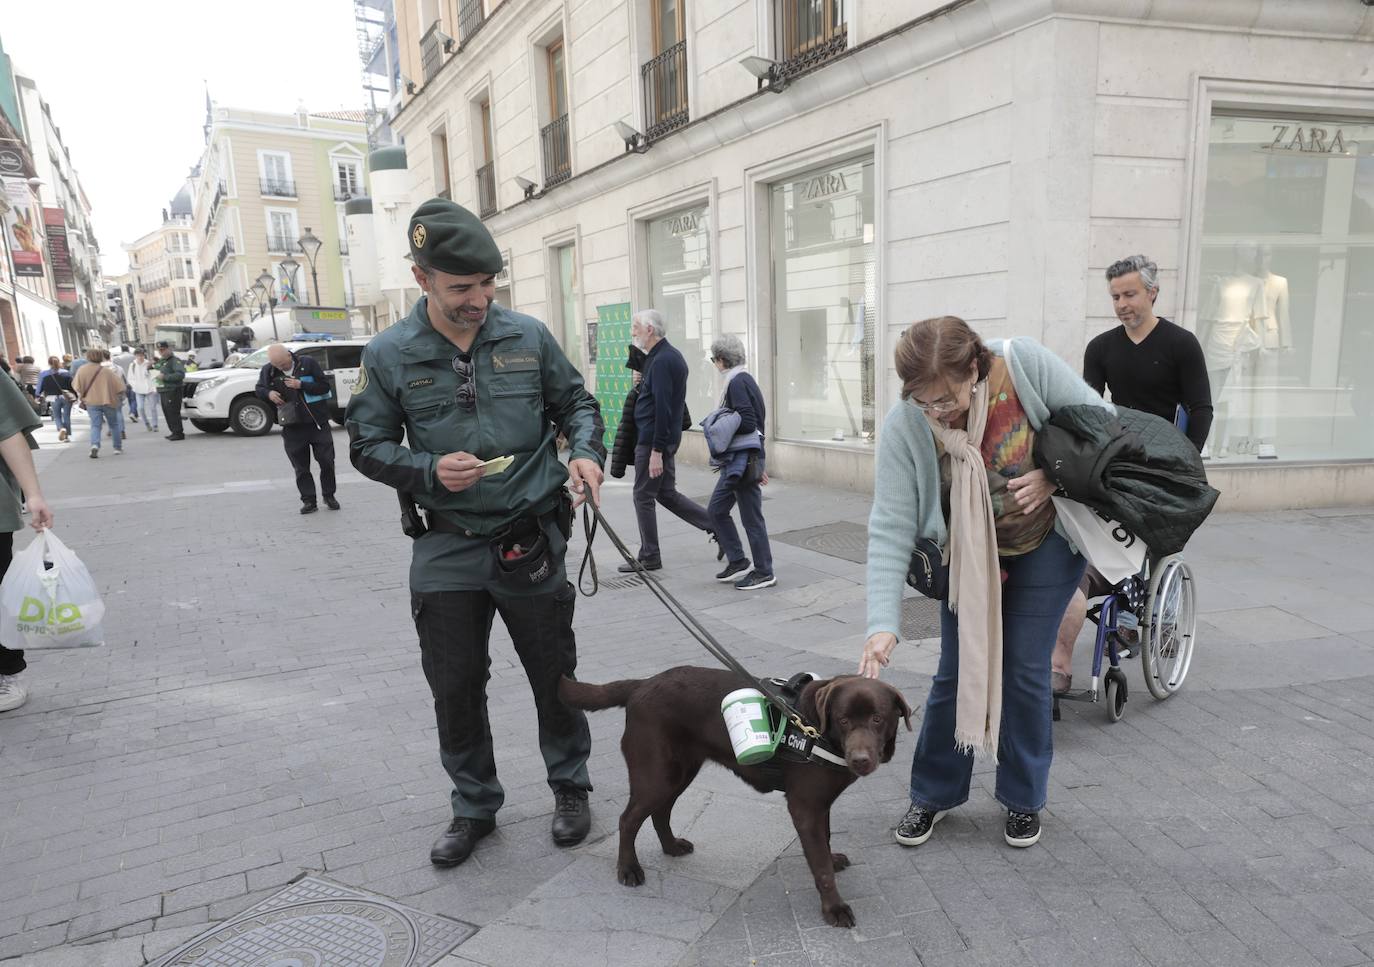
[[862, 763]]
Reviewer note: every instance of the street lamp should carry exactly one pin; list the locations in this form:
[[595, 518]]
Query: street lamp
[[310, 245], [290, 266], [265, 285]]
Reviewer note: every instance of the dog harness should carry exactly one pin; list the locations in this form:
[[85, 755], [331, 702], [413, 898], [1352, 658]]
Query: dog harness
[[799, 744]]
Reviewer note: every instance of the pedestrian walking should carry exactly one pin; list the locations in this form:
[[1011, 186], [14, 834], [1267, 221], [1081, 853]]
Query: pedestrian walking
[[17, 423], [55, 385], [955, 467], [659, 406], [1149, 364], [124, 359], [170, 375], [101, 391], [740, 459], [107, 361], [465, 382], [28, 375], [144, 388], [300, 390]]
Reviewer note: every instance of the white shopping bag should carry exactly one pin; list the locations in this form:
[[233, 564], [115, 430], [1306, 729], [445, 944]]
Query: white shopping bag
[[1107, 545], [50, 607]]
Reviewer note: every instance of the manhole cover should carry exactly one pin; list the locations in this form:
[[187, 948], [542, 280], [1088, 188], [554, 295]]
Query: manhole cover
[[315, 923], [620, 584], [920, 618], [842, 538]]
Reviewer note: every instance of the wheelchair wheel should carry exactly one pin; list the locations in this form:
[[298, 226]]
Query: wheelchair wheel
[[1116, 695], [1167, 634]]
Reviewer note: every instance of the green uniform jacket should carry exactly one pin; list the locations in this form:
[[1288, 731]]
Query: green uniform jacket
[[527, 393], [16, 416], [173, 372]]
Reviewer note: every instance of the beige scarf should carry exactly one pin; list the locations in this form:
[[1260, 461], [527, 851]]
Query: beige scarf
[[975, 585]]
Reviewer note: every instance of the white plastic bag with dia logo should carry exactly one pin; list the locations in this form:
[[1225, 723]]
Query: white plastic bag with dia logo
[[55, 606]]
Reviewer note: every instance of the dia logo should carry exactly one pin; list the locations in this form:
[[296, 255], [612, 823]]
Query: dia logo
[[63, 614]]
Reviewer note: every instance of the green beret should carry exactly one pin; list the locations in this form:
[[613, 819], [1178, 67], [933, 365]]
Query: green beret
[[452, 239]]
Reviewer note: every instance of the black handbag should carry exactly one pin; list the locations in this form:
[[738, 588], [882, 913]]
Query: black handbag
[[927, 572], [753, 469]]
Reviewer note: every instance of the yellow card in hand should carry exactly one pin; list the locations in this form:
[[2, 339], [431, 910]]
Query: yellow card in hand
[[498, 465]]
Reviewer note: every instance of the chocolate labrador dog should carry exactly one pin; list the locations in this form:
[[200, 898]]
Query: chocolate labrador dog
[[673, 724]]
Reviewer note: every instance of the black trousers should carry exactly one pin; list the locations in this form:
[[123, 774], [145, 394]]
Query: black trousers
[[300, 440], [171, 409], [11, 660], [454, 628]]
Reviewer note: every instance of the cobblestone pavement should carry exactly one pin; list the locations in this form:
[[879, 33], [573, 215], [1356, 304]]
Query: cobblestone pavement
[[259, 713]]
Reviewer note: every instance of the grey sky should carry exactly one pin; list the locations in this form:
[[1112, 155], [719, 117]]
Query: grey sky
[[126, 84]]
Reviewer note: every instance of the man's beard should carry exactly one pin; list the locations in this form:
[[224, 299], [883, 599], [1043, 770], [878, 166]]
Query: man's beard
[[455, 317]]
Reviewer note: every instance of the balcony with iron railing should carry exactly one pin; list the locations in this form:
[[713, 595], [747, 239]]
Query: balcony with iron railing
[[553, 138], [431, 51], [281, 243], [277, 187], [471, 16], [214, 206], [227, 306], [486, 189], [807, 33], [665, 91], [153, 285]]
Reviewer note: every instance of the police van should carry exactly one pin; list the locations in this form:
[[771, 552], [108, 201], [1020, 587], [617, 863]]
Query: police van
[[216, 400]]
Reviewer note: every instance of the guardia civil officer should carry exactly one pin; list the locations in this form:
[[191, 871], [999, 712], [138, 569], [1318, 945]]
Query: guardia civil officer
[[467, 381]]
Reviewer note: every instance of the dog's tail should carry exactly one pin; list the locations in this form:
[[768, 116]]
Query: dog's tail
[[595, 697]]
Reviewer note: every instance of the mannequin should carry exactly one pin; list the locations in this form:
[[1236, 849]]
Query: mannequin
[[1236, 310], [1277, 338]]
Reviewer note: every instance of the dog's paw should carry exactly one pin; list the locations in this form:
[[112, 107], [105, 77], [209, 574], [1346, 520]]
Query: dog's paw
[[680, 847], [839, 861], [632, 875], [838, 914]]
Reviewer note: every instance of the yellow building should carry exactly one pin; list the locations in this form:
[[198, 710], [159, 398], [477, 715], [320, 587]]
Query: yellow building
[[164, 271], [264, 182]]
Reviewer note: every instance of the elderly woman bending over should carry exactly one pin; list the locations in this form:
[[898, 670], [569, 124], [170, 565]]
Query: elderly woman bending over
[[955, 466]]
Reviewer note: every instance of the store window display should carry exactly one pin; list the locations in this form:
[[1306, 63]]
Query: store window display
[[1284, 295]]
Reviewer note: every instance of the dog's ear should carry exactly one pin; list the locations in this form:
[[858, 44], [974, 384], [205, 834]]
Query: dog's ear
[[822, 699], [902, 708]]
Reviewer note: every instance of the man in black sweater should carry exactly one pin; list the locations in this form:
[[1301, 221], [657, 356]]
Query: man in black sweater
[[658, 419], [1148, 364]]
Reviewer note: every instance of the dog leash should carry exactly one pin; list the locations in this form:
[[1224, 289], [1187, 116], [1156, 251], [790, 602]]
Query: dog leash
[[591, 520]]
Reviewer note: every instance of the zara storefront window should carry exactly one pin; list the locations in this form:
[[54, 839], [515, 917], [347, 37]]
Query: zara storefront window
[[824, 305], [1285, 292], [679, 249]]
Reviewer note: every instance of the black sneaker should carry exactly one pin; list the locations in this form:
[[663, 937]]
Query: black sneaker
[[331, 503], [917, 825], [733, 571], [309, 508], [1023, 829], [754, 581]]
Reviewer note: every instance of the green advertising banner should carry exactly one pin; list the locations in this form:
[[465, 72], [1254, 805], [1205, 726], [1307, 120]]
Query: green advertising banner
[[612, 349]]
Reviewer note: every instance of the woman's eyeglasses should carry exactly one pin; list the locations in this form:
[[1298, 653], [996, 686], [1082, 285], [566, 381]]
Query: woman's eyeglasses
[[939, 406], [467, 389]]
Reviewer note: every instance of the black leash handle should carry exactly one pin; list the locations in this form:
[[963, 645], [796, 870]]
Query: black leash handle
[[591, 520]]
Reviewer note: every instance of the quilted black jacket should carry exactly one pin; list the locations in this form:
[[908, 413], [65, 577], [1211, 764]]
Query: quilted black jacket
[[1133, 467], [627, 434]]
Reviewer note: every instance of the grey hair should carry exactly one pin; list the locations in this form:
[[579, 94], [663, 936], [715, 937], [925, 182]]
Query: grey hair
[[1149, 271], [653, 319], [728, 349]]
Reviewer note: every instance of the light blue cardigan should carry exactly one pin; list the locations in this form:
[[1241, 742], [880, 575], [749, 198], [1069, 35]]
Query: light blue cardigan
[[906, 486]]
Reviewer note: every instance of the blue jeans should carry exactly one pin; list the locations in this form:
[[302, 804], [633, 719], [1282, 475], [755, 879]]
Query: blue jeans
[[100, 414], [147, 405], [729, 490], [1034, 596], [132, 397], [61, 413]]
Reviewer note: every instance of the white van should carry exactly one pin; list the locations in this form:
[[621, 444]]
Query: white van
[[215, 400]]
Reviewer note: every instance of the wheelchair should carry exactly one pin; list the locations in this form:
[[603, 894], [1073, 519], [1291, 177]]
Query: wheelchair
[[1160, 602]]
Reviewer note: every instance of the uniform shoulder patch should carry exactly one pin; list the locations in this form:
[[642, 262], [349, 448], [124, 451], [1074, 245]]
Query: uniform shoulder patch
[[360, 383]]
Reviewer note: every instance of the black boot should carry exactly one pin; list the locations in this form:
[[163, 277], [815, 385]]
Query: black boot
[[458, 841], [572, 816]]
